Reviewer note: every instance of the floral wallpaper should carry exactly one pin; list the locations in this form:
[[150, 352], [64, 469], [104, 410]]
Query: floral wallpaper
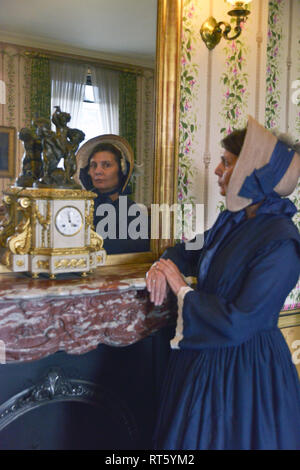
[[195, 155], [10, 97], [188, 120], [236, 92], [293, 300], [15, 69], [279, 66], [274, 62], [297, 122], [234, 83]]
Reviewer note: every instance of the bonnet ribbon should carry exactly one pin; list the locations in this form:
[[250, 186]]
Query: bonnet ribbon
[[262, 181]]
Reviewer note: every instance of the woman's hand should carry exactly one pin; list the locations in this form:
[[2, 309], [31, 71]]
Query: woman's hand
[[156, 284], [171, 273]]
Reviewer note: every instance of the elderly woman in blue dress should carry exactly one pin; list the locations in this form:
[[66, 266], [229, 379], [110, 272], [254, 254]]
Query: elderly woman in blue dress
[[231, 382]]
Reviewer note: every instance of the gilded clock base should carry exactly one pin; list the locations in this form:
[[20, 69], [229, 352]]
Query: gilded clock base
[[54, 263], [34, 237]]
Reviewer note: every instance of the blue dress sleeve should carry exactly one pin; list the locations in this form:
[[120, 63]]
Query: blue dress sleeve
[[209, 320], [186, 255]]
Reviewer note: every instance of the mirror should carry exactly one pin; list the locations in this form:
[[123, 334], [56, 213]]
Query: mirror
[[161, 151]]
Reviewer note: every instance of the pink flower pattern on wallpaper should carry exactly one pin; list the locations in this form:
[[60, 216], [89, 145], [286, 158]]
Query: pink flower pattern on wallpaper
[[273, 95], [234, 81], [273, 63], [297, 123], [293, 299], [188, 96], [235, 95]]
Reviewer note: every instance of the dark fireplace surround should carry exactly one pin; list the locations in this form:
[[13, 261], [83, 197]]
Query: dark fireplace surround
[[85, 361]]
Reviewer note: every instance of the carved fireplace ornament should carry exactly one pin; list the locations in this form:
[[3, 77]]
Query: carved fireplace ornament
[[56, 387]]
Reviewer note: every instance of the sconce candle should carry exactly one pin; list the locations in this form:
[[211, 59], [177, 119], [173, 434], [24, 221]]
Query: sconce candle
[[212, 31]]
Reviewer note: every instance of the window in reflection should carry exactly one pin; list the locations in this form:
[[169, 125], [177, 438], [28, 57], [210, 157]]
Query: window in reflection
[[90, 118], [90, 95], [88, 91], [105, 101]]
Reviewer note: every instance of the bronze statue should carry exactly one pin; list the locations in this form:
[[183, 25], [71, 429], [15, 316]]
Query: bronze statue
[[44, 150], [75, 137], [32, 164], [52, 153]]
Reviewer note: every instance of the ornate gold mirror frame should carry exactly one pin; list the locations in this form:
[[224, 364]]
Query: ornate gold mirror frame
[[167, 95]]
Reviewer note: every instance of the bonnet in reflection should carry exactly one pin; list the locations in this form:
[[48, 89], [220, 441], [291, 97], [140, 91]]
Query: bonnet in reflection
[[85, 152]]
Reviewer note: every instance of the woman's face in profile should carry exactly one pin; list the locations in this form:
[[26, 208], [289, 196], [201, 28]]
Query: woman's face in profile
[[104, 171], [224, 170]]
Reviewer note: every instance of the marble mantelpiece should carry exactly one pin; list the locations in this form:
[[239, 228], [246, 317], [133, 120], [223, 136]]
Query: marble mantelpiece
[[39, 317]]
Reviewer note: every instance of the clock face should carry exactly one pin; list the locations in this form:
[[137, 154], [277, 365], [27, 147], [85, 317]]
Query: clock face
[[68, 221]]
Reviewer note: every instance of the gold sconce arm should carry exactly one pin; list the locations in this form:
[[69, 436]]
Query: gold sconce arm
[[212, 31]]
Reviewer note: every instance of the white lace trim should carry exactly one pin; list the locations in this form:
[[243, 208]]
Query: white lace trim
[[179, 326]]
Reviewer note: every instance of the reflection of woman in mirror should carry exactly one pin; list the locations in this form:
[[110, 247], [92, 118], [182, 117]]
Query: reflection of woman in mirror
[[231, 382], [105, 166]]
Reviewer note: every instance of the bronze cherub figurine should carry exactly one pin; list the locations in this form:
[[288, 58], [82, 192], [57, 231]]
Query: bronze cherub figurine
[[44, 150]]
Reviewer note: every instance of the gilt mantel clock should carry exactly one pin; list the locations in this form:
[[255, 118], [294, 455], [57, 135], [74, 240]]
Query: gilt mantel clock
[[48, 226]]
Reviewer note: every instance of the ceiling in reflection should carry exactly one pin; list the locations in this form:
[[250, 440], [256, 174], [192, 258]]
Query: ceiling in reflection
[[123, 28]]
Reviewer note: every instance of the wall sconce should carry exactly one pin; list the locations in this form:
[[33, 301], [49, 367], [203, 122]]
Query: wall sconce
[[212, 32]]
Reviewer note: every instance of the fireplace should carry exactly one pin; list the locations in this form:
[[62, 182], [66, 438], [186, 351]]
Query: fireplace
[[63, 413], [81, 372]]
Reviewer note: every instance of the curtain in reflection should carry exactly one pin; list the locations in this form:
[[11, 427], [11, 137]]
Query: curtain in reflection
[[128, 112], [143, 191], [67, 88], [127, 118], [40, 89], [106, 89]]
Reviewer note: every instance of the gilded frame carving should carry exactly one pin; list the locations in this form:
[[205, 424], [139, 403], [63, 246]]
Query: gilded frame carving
[[168, 42]]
